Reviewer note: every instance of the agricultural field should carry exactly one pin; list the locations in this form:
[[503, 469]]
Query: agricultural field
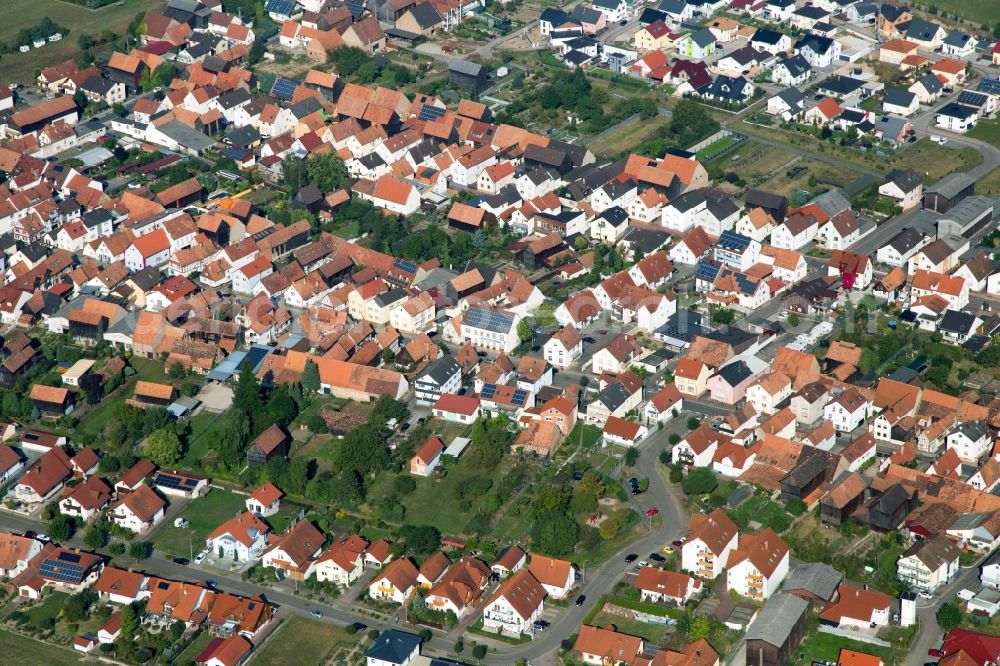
[[299, 636], [978, 12], [989, 184], [23, 651], [799, 175], [16, 66], [934, 161], [755, 162], [628, 137]]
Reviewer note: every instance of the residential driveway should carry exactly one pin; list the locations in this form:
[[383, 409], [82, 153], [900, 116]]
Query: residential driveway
[[216, 397]]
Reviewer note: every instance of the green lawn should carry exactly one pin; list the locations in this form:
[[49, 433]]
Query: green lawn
[[201, 425], [761, 510], [981, 12], [194, 648], [149, 369], [51, 606], [988, 131], [205, 514], [591, 435], [716, 148], [299, 637], [75, 21], [22, 651], [97, 418], [826, 647], [934, 161]]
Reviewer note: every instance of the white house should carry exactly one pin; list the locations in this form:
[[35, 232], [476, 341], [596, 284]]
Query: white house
[[139, 510], [848, 410], [758, 566], [563, 348], [795, 232], [515, 606], [661, 586], [710, 541], [928, 564], [396, 582], [239, 539], [956, 117], [971, 441], [265, 501], [557, 577]]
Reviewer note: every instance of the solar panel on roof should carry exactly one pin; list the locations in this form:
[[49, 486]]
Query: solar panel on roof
[[990, 85], [283, 89], [488, 319], [489, 390], [167, 481], [190, 483], [406, 266], [520, 395], [428, 112], [285, 7], [69, 557], [972, 98], [163, 585]]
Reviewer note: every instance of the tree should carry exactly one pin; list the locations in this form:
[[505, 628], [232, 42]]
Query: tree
[[479, 651], [700, 628], [139, 550], [91, 385], [631, 456], [404, 484], [176, 371], [555, 534], [387, 407], [310, 377], [281, 408], [949, 616], [60, 528], [246, 397], [177, 629], [327, 172], [363, 450], [699, 481], [421, 538], [80, 99], [723, 316], [524, 330], [232, 436], [130, 622], [794, 320], [163, 447], [693, 423], [95, 537], [117, 548]]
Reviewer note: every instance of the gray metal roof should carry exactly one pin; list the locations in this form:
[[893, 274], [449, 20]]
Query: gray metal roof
[[951, 184], [816, 578], [777, 619]]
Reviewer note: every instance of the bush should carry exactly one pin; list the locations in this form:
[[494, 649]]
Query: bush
[[351, 629], [674, 439], [479, 651], [796, 507], [699, 481], [693, 423]]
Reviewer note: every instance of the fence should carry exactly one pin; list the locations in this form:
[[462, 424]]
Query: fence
[[705, 143]]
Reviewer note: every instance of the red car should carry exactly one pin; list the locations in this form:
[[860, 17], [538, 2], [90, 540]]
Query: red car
[[934, 652], [652, 512]]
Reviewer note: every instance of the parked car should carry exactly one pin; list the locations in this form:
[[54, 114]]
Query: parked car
[[580, 599], [935, 652], [630, 558], [183, 561], [316, 613], [925, 595], [360, 626], [656, 557], [200, 557]]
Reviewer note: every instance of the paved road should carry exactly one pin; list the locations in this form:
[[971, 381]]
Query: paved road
[[930, 635], [602, 579], [597, 582]]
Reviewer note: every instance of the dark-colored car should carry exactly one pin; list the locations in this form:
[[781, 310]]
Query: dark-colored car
[[542, 625], [406, 426], [580, 599], [578, 476], [656, 557], [633, 481], [481, 354], [211, 583], [636, 491], [183, 561], [678, 543], [630, 558], [360, 626], [589, 340], [422, 420]]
